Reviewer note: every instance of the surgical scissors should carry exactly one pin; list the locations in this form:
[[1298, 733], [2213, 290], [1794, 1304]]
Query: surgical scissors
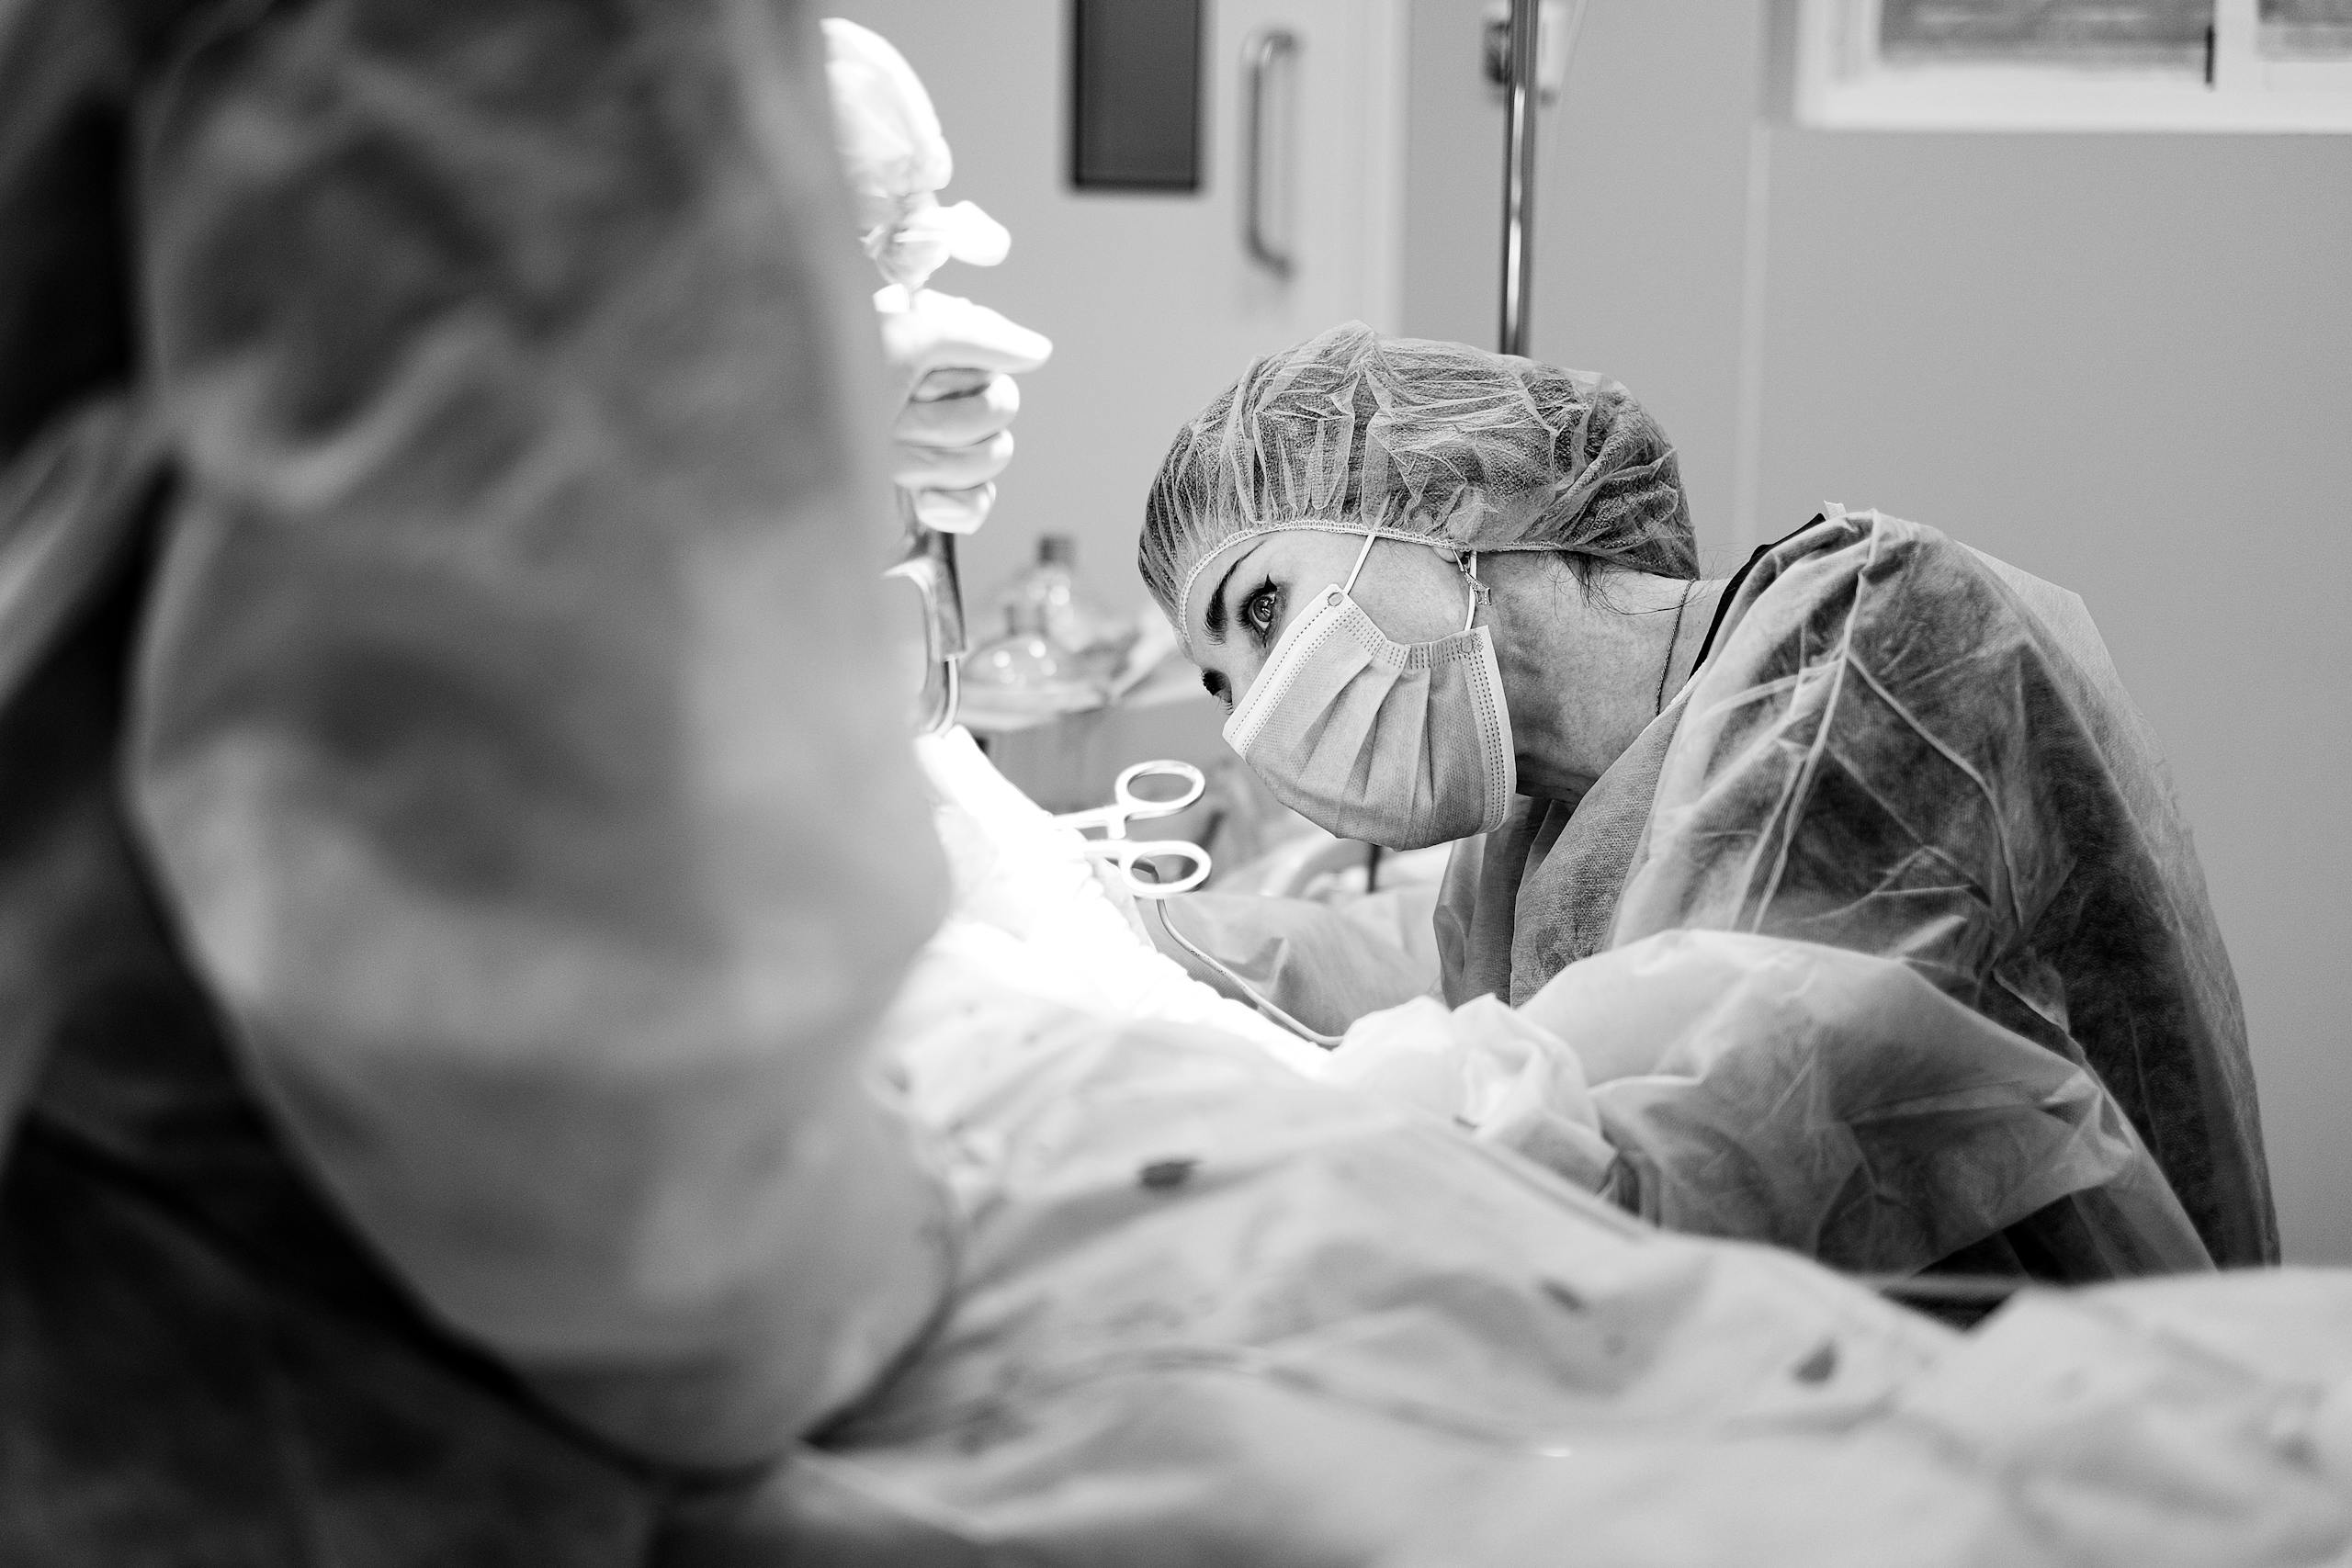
[[1125, 807]]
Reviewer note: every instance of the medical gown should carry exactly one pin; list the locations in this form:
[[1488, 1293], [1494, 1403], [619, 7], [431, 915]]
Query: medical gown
[[1899, 745]]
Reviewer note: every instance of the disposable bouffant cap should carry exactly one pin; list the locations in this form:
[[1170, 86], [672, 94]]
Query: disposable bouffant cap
[[1437, 443]]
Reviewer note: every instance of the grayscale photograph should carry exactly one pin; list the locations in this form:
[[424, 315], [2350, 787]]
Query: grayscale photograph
[[1175, 783]]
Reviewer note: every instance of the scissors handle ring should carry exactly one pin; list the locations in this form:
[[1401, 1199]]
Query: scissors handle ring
[[1195, 785]]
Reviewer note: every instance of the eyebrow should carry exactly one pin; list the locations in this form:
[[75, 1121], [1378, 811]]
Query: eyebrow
[[1217, 613]]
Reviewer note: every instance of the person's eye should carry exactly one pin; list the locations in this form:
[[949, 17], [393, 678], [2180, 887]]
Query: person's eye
[[1217, 687], [1261, 610]]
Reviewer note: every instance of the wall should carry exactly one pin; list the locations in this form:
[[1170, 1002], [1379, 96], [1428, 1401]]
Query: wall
[[2123, 362], [1640, 214]]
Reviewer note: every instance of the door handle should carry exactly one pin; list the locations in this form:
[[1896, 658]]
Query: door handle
[[1258, 58]]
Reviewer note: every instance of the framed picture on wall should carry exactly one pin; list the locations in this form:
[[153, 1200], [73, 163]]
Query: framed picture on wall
[[2172, 65]]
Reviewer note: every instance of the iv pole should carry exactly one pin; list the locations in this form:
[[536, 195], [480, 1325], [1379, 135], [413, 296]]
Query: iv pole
[[1519, 217], [1519, 177]]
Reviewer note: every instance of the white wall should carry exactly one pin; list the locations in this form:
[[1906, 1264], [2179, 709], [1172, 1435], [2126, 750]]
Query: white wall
[[1640, 214], [2123, 362]]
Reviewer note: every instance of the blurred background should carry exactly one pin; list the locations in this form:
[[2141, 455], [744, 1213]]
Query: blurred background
[[2070, 281]]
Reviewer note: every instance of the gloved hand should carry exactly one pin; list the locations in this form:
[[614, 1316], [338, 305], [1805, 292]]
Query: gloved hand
[[954, 363]]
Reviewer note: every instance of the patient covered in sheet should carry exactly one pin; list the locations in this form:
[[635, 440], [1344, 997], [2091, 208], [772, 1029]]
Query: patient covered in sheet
[[1211, 1306]]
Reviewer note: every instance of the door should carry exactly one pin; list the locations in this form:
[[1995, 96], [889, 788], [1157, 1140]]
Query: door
[[1154, 301]]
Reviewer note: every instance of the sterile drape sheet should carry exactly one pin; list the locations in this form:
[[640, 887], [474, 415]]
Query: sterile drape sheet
[[1211, 1312], [1211, 1309]]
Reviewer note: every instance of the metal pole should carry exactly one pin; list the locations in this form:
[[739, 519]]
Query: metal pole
[[1519, 175]]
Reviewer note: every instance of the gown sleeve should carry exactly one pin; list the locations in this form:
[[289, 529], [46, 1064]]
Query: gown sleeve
[[514, 741], [1852, 769], [1898, 751]]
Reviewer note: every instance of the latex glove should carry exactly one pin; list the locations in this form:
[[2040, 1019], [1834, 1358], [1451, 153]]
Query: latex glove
[[954, 362]]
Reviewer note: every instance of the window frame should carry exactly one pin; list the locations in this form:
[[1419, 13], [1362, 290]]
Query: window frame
[[1841, 85]]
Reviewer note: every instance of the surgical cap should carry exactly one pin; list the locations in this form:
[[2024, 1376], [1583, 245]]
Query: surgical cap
[[1432, 442]]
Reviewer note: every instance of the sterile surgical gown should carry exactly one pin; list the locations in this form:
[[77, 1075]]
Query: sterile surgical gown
[[456, 825], [1900, 745]]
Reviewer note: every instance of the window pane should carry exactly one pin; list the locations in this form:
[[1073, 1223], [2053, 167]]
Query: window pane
[[2307, 29], [2064, 32]]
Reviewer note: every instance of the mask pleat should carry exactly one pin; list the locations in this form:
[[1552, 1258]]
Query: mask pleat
[[1403, 751], [1382, 741], [1351, 738], [1456, 753], [1326, 695]]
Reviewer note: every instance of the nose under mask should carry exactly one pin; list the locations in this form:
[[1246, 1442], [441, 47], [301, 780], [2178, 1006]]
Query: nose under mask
[[1399, 744]]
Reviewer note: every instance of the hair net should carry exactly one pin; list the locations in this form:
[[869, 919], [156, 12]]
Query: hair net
[[1434, 442]]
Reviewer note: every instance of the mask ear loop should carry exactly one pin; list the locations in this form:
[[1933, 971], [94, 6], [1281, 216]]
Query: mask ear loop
[[1349, 587], [1467, 565], [1479, 592]]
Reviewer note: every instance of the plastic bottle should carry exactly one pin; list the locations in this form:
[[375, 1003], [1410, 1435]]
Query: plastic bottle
[[1046, 601], [1057, 651]]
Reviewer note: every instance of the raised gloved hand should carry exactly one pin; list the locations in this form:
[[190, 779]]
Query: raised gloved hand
[[955, 364], [955, 359]]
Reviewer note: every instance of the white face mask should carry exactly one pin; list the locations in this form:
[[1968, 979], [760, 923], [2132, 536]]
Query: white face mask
[[1399, 744]]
